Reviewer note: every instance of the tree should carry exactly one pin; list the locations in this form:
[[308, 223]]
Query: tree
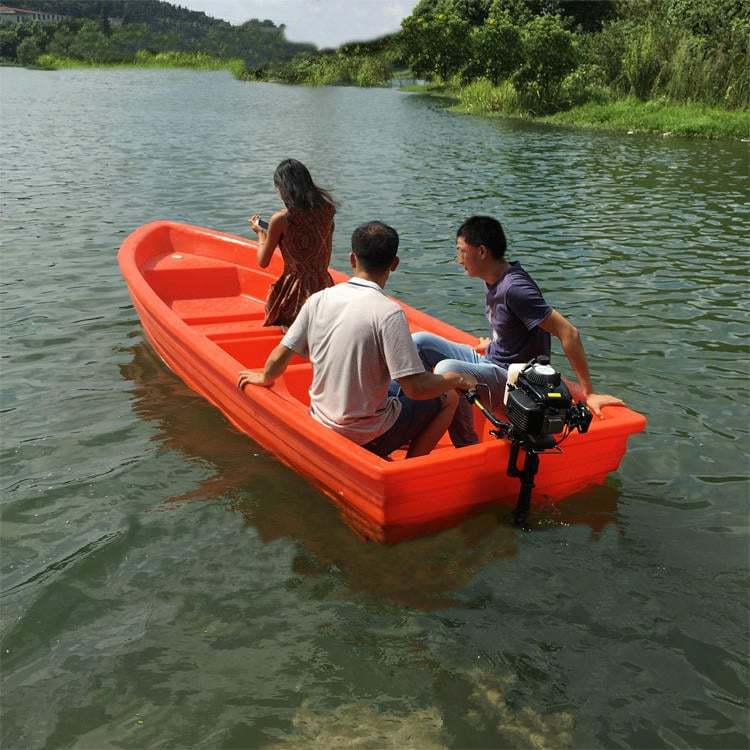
[[516, 12], [104, 24], [474, 12], [549, 54], [59, 46], [496, 50], [90, 44], [436, 45], [128, 39], [707, 18], [28, 51], [426, 8], [590, 15], [8, 43]]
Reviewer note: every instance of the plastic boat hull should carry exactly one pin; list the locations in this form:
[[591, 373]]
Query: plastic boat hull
[[199, 295]]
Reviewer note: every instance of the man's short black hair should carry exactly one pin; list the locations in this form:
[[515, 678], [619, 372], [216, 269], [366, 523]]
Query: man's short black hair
[[375, 244], [484, 230]]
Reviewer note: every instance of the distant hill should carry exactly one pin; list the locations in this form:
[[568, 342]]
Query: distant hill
[[141, 11], [115, 31]]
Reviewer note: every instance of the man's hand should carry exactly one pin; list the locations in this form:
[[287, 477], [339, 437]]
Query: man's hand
[[595, 401], [482, 345], [274, 368], [463, 380], [253, 377]]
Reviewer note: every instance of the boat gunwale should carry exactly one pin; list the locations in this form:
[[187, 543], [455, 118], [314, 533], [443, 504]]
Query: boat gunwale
[[375, 467], [333, 444]]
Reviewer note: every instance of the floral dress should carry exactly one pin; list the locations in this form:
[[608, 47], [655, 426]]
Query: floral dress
[[306, 249]]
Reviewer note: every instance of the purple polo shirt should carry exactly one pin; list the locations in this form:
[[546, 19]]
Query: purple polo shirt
[[515, 308]]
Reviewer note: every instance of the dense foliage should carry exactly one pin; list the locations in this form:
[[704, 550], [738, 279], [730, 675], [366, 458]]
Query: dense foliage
[[115, 31], [510, 56], [150, 12], [326, 69], [369, 63], [543, 56], [547, 55]]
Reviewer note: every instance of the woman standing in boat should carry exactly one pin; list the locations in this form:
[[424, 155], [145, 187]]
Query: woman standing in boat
[[304, 232]]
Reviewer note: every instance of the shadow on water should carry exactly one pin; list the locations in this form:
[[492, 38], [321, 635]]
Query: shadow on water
[[279, 504]]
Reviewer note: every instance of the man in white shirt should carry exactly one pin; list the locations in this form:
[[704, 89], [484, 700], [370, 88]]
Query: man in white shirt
[[369, 383]]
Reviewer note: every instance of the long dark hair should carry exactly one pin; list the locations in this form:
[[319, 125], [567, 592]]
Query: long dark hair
[[293, 181]]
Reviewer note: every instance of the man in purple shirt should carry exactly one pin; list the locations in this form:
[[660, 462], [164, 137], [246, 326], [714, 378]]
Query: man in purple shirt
[[521, 323]]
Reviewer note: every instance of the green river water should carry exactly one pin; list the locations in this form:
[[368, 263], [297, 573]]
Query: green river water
[[166, 583]]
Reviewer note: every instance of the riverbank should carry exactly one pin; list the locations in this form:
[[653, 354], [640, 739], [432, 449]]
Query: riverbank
[[143, 59], [627, 115], [339, 69], [632, 115]]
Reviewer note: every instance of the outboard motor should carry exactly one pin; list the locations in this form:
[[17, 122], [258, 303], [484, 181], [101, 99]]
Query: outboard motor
[[539, 407]]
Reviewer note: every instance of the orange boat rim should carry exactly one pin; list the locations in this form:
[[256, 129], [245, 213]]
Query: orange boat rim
[[200, 294]]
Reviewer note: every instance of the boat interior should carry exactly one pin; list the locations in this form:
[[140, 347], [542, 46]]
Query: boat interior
[[225, 303]]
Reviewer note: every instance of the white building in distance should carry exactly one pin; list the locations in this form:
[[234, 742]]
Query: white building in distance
[[21, 15]]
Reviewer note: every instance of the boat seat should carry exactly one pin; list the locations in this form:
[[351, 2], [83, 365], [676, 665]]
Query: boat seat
[[252, 351], [182, 261], [184, 276]]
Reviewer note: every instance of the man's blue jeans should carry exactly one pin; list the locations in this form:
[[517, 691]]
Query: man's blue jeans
[[440, 356]]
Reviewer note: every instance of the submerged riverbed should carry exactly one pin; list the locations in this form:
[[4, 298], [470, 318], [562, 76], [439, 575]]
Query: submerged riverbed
[[167, 583]]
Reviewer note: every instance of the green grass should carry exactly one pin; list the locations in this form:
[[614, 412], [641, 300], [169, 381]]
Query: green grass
[[627, 114], [327, 70], [194, 61], [481, 97], [657, 117], [432, 88]]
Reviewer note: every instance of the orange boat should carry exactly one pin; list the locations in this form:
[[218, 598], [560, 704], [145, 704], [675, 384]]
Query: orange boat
[[200, 296]]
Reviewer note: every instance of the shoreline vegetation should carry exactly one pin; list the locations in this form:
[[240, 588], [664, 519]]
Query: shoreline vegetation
[[670, 67], [145, 59], [628, 115]]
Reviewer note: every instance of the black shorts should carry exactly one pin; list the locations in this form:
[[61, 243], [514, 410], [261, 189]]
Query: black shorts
[[413, 419]]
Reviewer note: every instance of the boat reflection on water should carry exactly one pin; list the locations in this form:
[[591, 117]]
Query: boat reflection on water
[[278, 503]]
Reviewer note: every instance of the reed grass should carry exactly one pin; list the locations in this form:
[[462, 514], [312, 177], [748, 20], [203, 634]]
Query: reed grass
[[624, 114], [482, 96], [144, 59], [328, 70]]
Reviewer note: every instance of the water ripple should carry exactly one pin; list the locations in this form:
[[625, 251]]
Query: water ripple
[[615, 623]]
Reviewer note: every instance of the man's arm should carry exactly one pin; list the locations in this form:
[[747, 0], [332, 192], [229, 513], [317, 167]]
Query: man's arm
[[275, 365], [558, 325], [426, 385]]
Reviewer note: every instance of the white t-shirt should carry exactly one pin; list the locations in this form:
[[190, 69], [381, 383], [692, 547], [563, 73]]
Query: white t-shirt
[[357, 341]]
